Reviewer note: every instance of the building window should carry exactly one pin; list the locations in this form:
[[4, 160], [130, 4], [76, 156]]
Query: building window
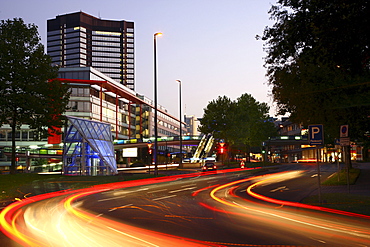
[[54, 48], [58, 42], [2, 135]]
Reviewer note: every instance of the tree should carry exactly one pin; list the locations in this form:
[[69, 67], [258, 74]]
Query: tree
[[216, 118], [251, 122], [318, 63], [244, 121], [28, 96]]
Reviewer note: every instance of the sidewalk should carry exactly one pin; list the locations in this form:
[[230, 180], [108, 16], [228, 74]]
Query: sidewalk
[[361, 187]]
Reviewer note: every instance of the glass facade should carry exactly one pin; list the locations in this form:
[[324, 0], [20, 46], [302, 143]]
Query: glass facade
[[88, 148], [90, 102], [81, 40]]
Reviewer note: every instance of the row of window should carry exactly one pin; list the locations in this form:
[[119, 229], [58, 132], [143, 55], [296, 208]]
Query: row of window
[[166, 118], [111, 34], [72, 29], [165, 132], [68, 46], [55, 53], [56, 37], [114, 65], [55, 32], [75, 34], [105, 54], [169, 125], [76, 50], [73, 40], [106, 33], [104, 38], [109, 70], [82, 29], [79, 106], [51, 43], [114, 44], [103, 48], [77, 55], [54, 48], [116, 76], [109, 57], [75, 61], [80, 91], [74, 45], [106, 59], [81, 53], [20, 135]]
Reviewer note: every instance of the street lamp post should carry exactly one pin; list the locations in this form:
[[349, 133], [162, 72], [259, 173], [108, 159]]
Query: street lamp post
[[155, 106], [180, 163]]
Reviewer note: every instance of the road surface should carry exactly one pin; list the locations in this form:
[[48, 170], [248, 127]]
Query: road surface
[[201, 209]]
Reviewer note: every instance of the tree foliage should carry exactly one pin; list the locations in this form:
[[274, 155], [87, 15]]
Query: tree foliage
[[244, 121], [318, 62], [216, 118], [28, 96]]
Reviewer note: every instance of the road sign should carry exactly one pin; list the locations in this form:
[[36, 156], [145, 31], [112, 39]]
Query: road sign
[[316, 134], [344, 141], [343, 131]]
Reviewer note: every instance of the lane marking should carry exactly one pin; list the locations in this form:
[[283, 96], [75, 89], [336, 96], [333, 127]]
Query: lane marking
[[164, 197], [184, 189], [131, 236], [111, 198], [279, 188], [155, 191]]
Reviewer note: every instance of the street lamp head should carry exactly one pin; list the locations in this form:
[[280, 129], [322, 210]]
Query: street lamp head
[[178, 81], [158, 34]]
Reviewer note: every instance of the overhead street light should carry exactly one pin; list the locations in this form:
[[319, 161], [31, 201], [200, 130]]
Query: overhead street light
[[180, 163], [155, 106]]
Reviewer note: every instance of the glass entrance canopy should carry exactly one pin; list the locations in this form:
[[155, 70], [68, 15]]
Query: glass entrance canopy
[[88, 148]]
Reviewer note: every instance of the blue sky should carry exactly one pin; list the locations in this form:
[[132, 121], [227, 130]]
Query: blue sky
[[209, 45]]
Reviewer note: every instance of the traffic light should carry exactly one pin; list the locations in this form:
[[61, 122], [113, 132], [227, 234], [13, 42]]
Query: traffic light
[[17, 159], [222, 150], [150, 151]]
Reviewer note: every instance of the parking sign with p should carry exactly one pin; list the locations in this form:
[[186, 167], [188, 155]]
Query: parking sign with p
[[316, 134]]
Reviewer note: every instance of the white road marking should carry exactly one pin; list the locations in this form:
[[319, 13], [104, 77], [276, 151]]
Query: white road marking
[[189, 188], [279, 188], [164, 197]]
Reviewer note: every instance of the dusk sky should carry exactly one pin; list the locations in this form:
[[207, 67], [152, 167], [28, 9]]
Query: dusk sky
[[209, 45]]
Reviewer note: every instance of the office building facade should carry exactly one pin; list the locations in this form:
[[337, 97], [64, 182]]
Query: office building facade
[[82, 40]]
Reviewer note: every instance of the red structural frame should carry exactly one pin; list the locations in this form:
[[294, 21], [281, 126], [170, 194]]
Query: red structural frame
[[120, 93]]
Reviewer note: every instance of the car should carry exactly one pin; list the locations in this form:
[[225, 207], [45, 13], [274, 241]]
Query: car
[[209, 166], [138, 164]]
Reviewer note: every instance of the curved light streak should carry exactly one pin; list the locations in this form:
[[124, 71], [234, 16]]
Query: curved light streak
[[12, 216], [297, 204], [342, 229]]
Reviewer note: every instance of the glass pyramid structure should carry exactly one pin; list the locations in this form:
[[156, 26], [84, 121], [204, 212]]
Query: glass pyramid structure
[[88, 148]]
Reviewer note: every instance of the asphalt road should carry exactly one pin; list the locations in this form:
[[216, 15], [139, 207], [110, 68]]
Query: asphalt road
[[205, 209]]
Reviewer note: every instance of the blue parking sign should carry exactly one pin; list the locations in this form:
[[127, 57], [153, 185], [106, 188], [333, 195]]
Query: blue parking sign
[[316, 134]]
